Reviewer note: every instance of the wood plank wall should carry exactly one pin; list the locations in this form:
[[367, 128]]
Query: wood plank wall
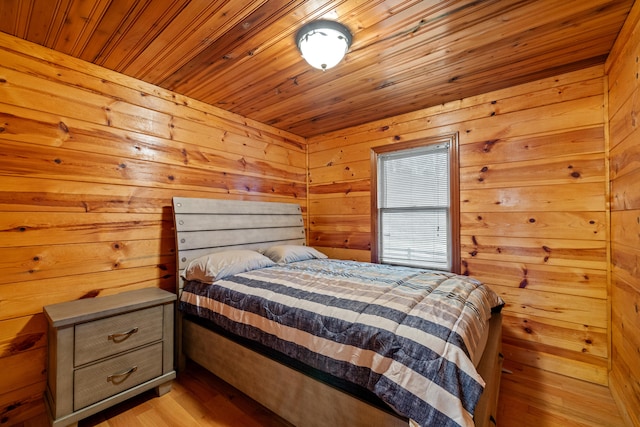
[[89, 161], [623, 68], [534, 220]]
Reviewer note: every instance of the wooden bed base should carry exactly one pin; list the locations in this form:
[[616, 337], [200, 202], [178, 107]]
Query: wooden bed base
[[304, 401], [207, 225]]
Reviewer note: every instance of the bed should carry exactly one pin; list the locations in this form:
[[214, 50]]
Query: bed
[[333, 386]]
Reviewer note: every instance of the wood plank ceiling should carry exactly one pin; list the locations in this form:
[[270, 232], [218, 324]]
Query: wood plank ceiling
[[406, 54]]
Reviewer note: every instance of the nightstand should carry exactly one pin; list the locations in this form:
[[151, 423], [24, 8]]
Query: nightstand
[[104, 350]]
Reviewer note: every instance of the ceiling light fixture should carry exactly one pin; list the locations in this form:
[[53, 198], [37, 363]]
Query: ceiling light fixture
[[323, 43]]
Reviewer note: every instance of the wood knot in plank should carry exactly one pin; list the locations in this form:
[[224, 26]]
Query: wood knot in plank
[[385, 85], [91, 294], [465, 265], [488, 145], [25, 342]]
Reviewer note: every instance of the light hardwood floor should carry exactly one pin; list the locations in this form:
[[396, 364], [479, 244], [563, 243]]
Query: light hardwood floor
[[528, 398]]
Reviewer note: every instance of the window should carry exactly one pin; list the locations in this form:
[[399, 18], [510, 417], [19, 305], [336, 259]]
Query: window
[[415, 204]]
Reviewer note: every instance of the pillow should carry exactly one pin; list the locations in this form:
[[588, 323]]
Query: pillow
[[219, 265], [283, 254]]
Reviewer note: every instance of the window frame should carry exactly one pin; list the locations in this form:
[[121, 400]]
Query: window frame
[[454, 192]]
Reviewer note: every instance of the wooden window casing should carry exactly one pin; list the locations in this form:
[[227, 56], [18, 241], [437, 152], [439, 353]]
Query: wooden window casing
[[454, 193]]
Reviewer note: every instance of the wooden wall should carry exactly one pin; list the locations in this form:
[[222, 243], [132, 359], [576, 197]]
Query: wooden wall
[[533, 209], [623, 68], [89, 161]]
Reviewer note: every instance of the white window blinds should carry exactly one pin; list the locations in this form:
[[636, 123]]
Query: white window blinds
[[413, 207]]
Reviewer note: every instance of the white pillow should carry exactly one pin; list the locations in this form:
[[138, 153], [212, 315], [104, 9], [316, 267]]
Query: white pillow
[[283, 254], [219, 265]]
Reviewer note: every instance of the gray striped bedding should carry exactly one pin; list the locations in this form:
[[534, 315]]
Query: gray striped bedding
[[408, 335]]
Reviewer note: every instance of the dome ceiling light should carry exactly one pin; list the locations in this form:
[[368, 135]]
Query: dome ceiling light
[[323, 43]]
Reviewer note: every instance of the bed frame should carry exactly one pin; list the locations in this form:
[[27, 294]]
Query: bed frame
[[209, 225]]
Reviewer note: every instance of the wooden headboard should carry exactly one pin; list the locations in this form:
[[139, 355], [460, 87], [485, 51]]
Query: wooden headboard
[[204, 226]]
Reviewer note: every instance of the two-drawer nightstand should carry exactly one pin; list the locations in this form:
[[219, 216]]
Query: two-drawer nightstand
[[107, 349]]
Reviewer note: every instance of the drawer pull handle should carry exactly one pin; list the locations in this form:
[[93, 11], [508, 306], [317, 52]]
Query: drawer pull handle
[[119, 337], [114, 377]]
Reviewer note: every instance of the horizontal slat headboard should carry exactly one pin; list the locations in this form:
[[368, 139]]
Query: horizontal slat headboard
[[205, 226]]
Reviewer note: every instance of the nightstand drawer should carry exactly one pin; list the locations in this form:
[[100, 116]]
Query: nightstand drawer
[[96, 382], [101, 338]]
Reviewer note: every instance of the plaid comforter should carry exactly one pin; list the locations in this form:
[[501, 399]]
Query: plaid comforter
[[408, 335]]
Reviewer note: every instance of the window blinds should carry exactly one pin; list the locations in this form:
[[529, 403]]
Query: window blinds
[[413, 203]]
